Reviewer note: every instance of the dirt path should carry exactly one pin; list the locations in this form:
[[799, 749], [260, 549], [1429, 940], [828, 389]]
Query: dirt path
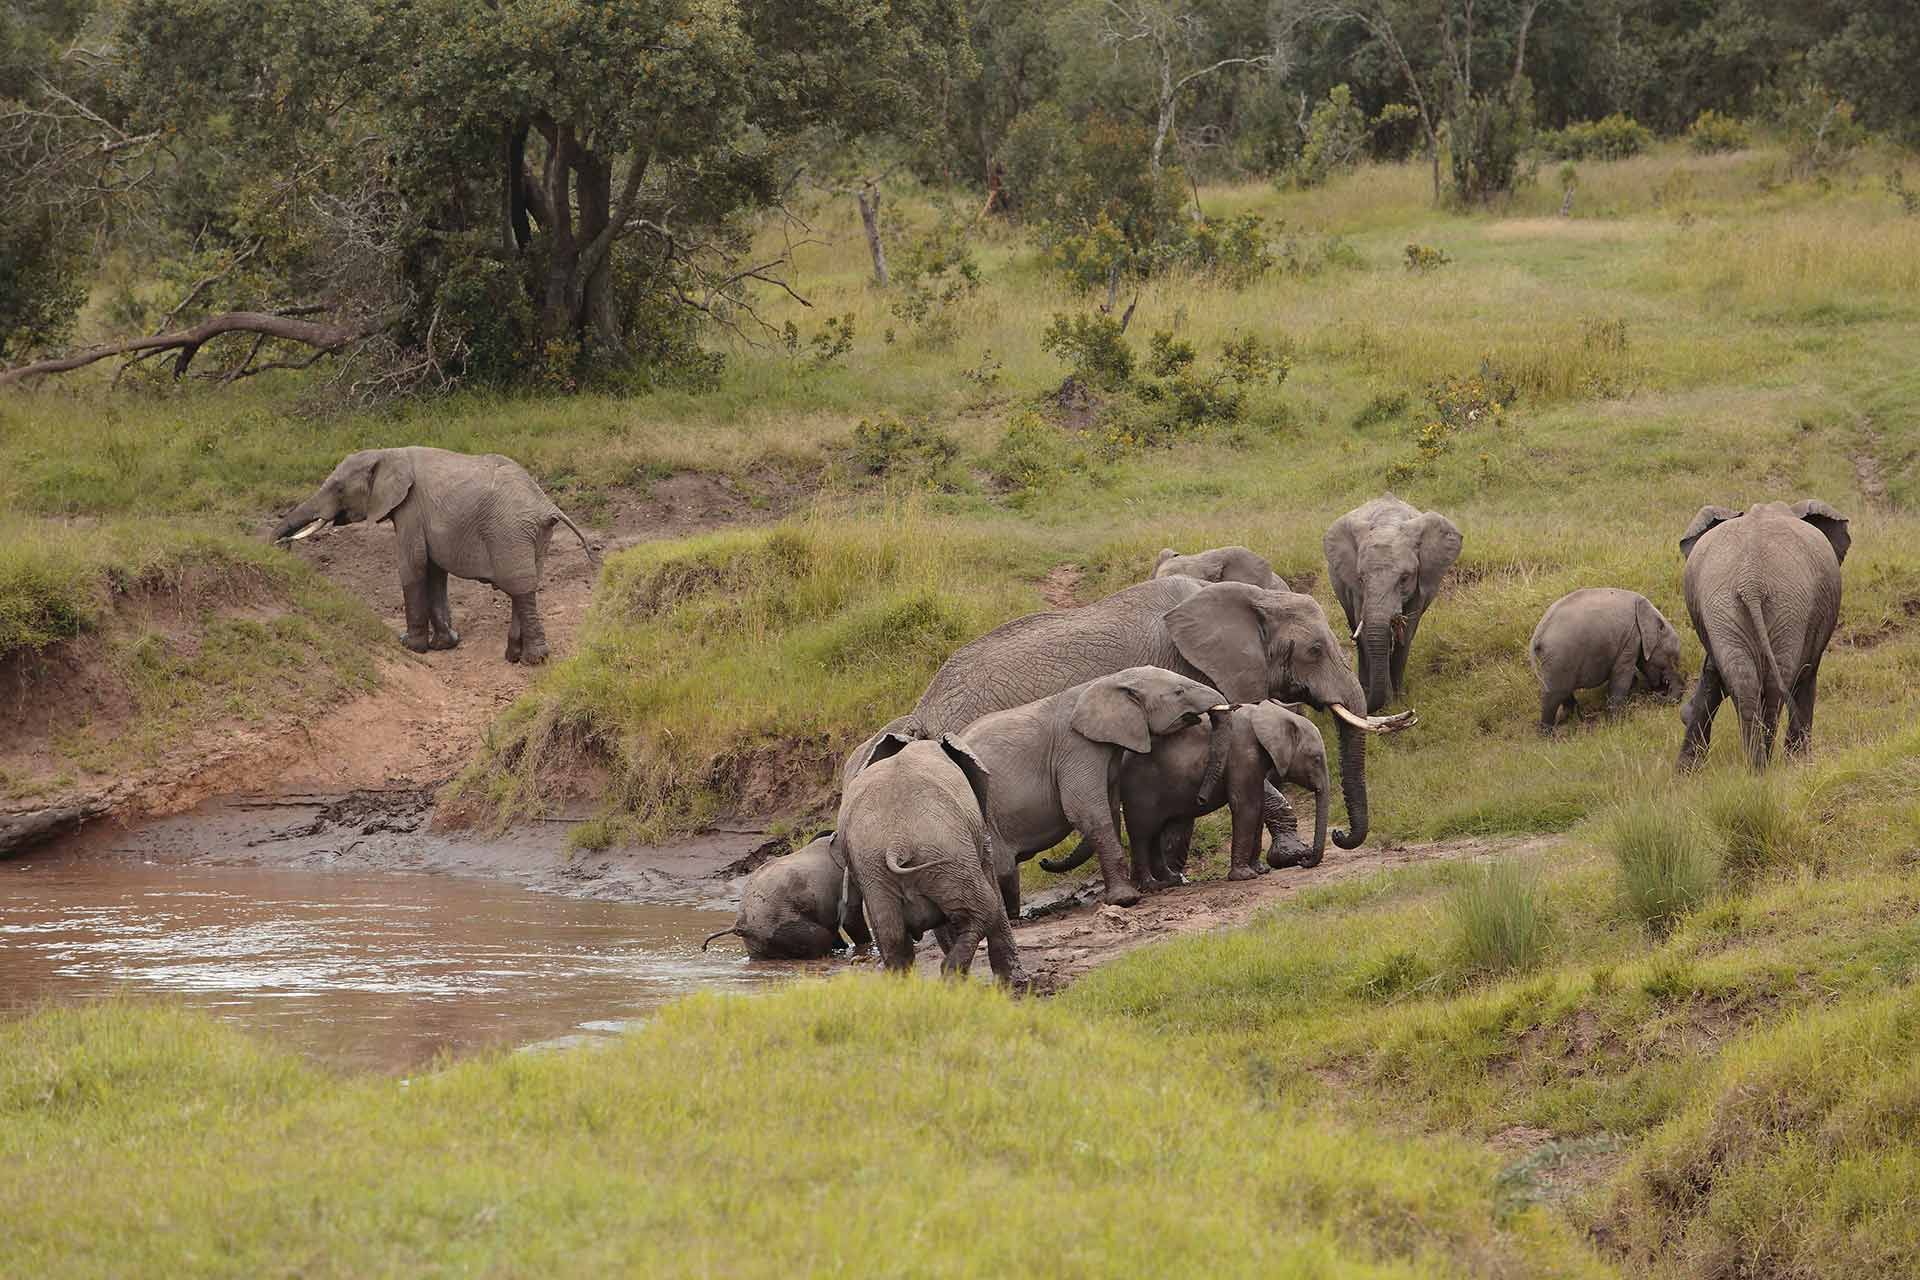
[[1866, 467]]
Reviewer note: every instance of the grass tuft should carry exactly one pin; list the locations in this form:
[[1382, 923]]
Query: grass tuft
[[1664, 862], [1499, 918]]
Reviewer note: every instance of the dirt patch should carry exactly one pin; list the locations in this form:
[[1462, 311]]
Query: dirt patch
[[1060, 586], [1866, 467]]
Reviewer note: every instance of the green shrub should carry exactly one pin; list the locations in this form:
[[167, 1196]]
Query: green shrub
[[1425, 258], [1088, 191], [1488, 140], [1474, 402], [1666, 865], [1499, 918], [1820, 129], [1614, 138], [1032, 457], [49, 592], [932, 278], [1093, 346], [1235, 251], [889, 446], [1712, 133]]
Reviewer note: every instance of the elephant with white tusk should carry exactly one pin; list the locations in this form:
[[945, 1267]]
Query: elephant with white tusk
[[1385, 561], [472, 516]]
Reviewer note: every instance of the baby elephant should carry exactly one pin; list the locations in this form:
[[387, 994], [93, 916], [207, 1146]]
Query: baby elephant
[[790, 907], [1603, 636], [913, 835], [1191, 773], [1055, 762], [478, 517], [1221, 564]]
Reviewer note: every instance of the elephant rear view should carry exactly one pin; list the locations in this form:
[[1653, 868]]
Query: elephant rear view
[[473, 516], [1763, 589], [1385, 561]]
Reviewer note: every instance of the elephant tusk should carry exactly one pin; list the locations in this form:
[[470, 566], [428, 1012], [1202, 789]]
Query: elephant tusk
[[309, 529], [1377, 724], [1357, 626], [1225, 706]]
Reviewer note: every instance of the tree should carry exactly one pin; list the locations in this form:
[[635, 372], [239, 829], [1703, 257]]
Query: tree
[[1169, 34]]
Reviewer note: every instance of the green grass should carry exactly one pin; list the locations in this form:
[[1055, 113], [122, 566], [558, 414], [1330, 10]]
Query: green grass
[[1666, 863], [1499, 919]]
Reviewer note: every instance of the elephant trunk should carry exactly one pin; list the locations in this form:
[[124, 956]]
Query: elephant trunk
[[723, 933], [1376, 641], [311, 512], [1321, 802], [1353, 786], [1217, 738]]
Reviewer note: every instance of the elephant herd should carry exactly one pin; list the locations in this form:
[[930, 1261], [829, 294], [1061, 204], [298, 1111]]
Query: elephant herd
[[1162, 703], [1185, 694]]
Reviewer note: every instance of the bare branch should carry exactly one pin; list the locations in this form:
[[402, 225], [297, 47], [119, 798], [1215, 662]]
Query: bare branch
[[187, 342]]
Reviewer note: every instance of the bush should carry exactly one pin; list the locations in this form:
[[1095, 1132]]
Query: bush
[[1087, 190], [1614, 138], [1336, 135], [1425, 258], [1460, 404], [1499, 918], [1712, 133], [1820, 130], [1235, 250], [932, 278], [891, 447], [1666, 864], [1032, 457], [1093, 345], [1757, 830], [1488, 141]]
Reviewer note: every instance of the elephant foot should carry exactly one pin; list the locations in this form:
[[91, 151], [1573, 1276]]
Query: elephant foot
[[1309, 862], [1243, 873], [418, 644], [1018, 983], [534, 653], [1258, 866], [1120, 895], [444, 640], [1286, 849]]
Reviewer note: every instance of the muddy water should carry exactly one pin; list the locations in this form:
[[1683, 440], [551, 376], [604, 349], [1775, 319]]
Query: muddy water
[[381, 970]]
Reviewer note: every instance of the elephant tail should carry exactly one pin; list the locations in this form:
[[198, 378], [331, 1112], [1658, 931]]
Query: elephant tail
[[723, 933], [1776, 687], [584, 544], [900, 868], [1081, 852]]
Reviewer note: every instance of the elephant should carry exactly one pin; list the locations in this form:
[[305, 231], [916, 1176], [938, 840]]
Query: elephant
[[1056, 760], [472, 516], [1247, 642], [1222, 564], [914, 837], [1603, 636], [792, 908], [1162, 792], [1763, 590], [1385, 561]]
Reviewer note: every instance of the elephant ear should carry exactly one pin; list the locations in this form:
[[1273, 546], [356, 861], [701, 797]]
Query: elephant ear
[[392, 481], [1827, 521], [1707, 519], [1220, 631], [1109, 711], [1437, 543], [1166, 554], [1342, 545], [887, 744], [971, 765], [1653, 626]]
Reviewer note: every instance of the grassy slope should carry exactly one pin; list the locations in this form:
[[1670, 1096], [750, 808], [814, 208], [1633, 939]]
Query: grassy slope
[[1740, 1087]]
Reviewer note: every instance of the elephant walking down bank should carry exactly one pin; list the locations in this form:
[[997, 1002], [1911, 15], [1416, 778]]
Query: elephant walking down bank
[[472, 516], [1385, 561], [1763, 589]]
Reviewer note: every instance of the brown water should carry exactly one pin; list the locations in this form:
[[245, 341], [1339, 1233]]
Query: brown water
[[381, 969]]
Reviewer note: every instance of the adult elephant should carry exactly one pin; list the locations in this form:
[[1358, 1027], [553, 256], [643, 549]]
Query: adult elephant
[[1385, 560], [1250, 644], [472, 516], [1220, 564], [1763, 589]]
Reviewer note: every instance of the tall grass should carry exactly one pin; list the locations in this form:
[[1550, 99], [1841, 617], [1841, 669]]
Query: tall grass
[[1499, 917], [1665, 862]]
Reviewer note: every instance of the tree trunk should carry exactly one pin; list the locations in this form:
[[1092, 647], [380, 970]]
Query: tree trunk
[[868, 198], [557, 302]]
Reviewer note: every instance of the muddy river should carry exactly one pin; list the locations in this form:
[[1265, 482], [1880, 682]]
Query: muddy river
[[379, 969]]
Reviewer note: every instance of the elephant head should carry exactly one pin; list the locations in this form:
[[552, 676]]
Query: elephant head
[[1659, 652], [1253, 645], [1296, 753], [1221, 564], [1131, 708], [365, 486], [1387, 572]]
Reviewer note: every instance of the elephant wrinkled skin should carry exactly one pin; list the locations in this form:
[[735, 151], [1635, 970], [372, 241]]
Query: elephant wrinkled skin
[[1385, 561], [1221, 564], [472, 516], [914, 836], [791, 907], [1603, 636], [1763, 590]]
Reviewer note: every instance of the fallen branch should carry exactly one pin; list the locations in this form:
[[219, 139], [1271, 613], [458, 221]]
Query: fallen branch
[[187, 342]]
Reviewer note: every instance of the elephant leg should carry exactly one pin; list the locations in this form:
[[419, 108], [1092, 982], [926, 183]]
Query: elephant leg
[[943, 935], [1620, 687], [1285, 848], [1004, 957], [514, 638], [1800, 712], [890, 931], [419, 636], [439, 612], [1170, 852], [960, 952], [1249, 809], [533, 636], [1010, 892], [1551, 700], [1093, 817], [1698, 715]]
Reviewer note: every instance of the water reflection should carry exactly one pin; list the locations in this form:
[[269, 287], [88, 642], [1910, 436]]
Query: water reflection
[[381, 970]]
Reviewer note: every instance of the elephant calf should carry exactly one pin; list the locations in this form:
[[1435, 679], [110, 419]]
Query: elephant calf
[[1055, 760], [479, 517], [1603, 636], [1221, 564], [914, 836], [791, 908], [1192, 772]]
